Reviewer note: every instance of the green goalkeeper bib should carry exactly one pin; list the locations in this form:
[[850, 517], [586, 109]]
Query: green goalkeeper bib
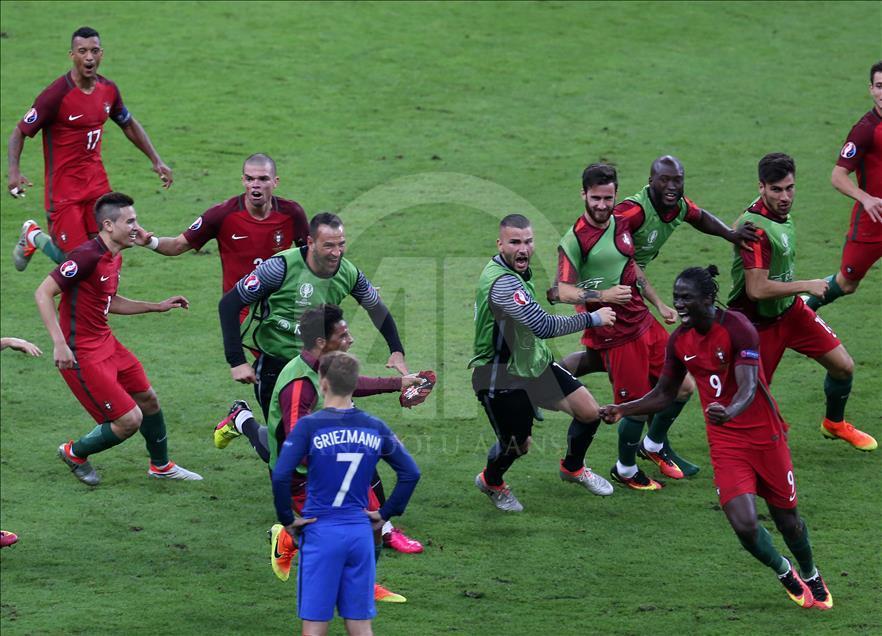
[[604, 264], [530, 356], [782, 237], [273, 324], [654, 232], [294, 370]]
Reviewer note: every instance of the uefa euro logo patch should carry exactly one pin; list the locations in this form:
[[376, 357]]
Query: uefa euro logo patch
[[251, 283], [30, 116], [68, 269], [849, 150], [520, 298], [196, 224]]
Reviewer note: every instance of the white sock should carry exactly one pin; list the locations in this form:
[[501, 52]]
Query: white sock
[[387, 528], [626, 471], [651, 445], [814, 574], [241, 416], [32, 235]]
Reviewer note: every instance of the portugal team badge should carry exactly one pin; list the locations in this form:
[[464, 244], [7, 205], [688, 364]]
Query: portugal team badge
[[69, 269], [278, 237], [849, 150], [30, 116], [251, 283]]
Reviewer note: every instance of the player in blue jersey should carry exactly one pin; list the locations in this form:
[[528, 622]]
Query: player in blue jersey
[[342, 445]]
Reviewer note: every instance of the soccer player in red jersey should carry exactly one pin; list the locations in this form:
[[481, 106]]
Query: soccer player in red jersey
[[71, 112], [745, 431], [249, 228], [596, 268], [765, 289], [861, 154], [106, 378]]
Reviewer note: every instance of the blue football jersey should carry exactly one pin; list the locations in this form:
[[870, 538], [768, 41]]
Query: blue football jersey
[[342, 448]]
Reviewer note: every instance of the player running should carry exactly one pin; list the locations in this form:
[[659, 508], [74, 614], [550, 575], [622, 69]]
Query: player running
[[342, 445], [106, 378], [249, 228], [515, 373], [861, 154], [765, 290], [71, 112], [745, 431], [596, 268]]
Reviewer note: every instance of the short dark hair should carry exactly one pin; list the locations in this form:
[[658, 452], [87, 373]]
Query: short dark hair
[[775, 166], [108, 206], [876, 68], [703, 278], [319, 322], [323, 218], [85, 33], [261, 158], [599, 174], [515, 220], [340, 370]]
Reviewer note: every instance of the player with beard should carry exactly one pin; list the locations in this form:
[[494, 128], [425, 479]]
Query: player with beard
[[71, 112], [765, 289], [596, 268], [249, 228], [515, 373], [861, 154], [745, 431], [104, 376]]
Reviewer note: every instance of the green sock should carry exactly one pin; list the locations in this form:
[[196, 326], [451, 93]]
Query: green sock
[[663, 420], [44, 243], [801, 548], [837, 392], [153, 430], [98, 439], [630, 431], [378, 550], [764, 552], [834, 291]]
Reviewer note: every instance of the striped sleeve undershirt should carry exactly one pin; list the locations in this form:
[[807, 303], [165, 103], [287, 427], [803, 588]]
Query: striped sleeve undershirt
[[509, 296]]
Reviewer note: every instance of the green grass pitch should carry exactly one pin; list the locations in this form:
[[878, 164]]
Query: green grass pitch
[[422, 124]]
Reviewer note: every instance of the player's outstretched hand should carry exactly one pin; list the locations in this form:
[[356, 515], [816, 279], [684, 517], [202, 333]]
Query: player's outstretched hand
[[244, 373], [17, 184], [20, 344], [165, 173], [175, 302], [607, 316], [396, 361], [416, 388], [745, 234], [617, 295], [297, 527], [610, 413], [817, 287], [142, 236], [64, 357], [668, 314], [717, 413], [377, 521], [873, 207]]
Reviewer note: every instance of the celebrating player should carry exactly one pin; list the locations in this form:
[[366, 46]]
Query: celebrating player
[[765, 290], [745, 431], [596, 268], [106, 378], [861, 154], [342, 445], [71, 113], [280, 290], [515, 373], [249, 227]]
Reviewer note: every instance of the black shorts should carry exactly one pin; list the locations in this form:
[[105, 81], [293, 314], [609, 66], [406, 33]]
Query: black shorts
[[511, 401], [267, 369]]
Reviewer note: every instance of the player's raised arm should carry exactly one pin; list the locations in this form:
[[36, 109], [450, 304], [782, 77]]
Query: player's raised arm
[[704, 221], [128, 307], [165, 245]]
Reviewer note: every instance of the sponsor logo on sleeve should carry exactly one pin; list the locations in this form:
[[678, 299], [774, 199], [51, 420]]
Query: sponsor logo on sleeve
[[30, 116], [251, 283], [68, 269], [749, 354], [196, 224], [849, 150], [520, 298]]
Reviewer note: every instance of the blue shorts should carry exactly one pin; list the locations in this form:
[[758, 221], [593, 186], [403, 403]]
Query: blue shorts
[[336, 568]]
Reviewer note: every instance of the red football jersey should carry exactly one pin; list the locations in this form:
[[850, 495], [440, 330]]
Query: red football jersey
[[243, 241], [73, 124], [89, 280], [632, 318], [711, 358], [862, 154]]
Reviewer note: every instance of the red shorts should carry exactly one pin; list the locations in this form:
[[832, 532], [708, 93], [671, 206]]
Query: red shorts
[[298, 495], [800, 329], [71, 223], [105, 388], [857, 258], [634, 366], [765, 472]]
